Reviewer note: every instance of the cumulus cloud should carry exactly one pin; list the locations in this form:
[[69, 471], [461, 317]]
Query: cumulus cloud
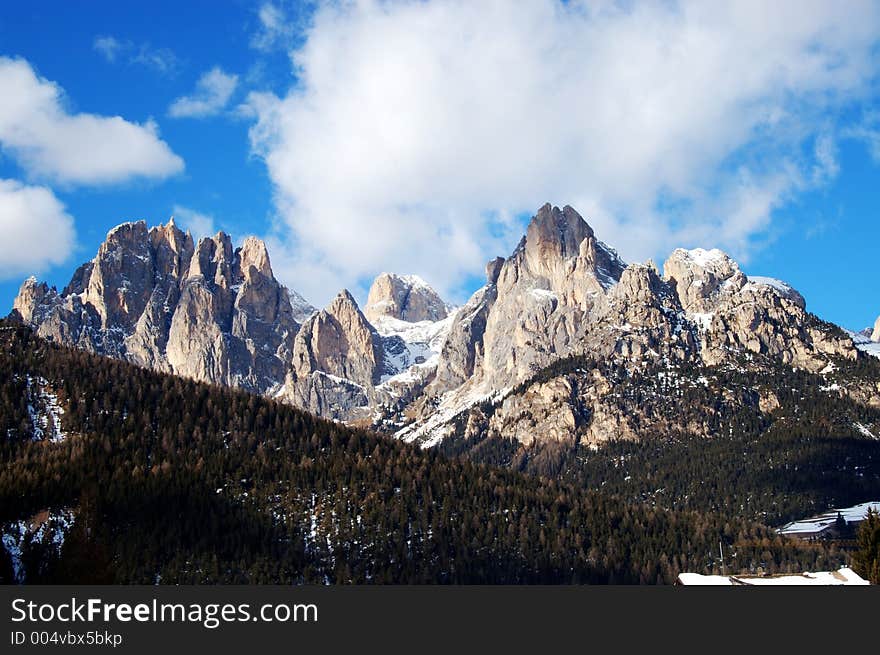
[[37, 231], [49, 142], [417, 130], [198, 224], [212, 93]]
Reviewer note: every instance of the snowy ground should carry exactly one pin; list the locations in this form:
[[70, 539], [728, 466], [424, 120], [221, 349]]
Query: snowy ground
[[44, 410], [48, 528]]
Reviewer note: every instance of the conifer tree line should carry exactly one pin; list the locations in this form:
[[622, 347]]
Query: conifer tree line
[[173, 481]]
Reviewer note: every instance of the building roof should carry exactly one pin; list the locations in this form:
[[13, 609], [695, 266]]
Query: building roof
[[817, 524], [844, 576]]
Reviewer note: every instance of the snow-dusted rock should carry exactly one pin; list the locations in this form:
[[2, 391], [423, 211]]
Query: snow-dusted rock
[[404, 297]]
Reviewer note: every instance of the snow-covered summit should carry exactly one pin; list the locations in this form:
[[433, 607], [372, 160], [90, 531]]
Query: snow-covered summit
[[404, 297], [712, 259], [784, 289]]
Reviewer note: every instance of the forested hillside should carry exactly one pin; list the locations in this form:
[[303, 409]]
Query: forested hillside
[[154, 478], [811, 449]]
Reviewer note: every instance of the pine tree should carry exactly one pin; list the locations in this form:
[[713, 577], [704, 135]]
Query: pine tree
[[866, 559]]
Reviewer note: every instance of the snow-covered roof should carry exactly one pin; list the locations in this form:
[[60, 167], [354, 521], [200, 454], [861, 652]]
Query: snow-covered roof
[[843, 576], [816, 524]]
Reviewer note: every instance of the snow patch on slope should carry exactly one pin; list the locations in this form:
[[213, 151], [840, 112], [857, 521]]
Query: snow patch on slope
[[44, 411], [302, 308], [779, 285], [705, 258], [46, 528], [439, 424], [865, 344], [411, 349]]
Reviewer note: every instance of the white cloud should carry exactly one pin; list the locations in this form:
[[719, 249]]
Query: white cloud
[[51, 143], [212, 93], [275, 28], [198, 224], [414, 125], [37, 231], [867, 131], [161, 60], [108, 47]]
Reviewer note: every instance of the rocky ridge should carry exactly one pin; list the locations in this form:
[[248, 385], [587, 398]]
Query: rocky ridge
[[153, 297], [564, 293], [413, 365]]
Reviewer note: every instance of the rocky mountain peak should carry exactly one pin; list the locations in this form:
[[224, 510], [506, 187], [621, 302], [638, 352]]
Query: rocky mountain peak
[[558, 247], [343, 303], [555, 233], [253, 254], [173, 249], [213, 260], [215, 313], [698, 275], [122, 276], [875, 336], [154, 298], [31, 296], [340, 342], [404, 297], [493, 269]]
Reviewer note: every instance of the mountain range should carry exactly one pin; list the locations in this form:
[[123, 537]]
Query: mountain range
[[413, 365]]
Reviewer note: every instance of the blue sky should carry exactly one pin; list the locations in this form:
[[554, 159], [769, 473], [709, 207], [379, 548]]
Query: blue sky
[[419, 137]]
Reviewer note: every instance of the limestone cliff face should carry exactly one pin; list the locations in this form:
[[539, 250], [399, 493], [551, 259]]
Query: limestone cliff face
[[404, 297], [339, 341], [151, 296], [337, 361]]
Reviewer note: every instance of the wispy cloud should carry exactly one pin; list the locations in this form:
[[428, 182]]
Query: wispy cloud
[[211, 95], [198, 223], [109, 47], [49, 142], [275, 28], [160, 60], [867, 131]]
